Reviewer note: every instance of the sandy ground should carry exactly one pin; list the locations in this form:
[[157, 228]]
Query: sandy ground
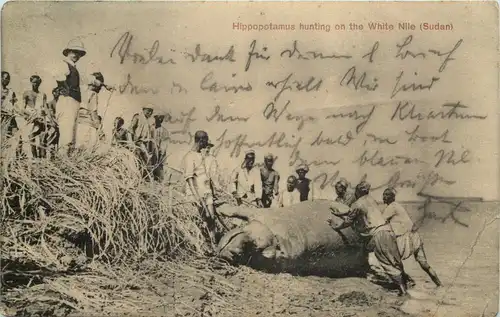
[[465, 258]]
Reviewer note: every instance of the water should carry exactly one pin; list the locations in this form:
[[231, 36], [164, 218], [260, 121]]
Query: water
[[470, 274]]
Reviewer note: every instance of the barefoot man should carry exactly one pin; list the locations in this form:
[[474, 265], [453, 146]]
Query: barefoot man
[[198, 188], [68, 82], [35, 109], [409, 241], [343, 196], [247, 182], [380, 238], [270, 181], [9, 100]]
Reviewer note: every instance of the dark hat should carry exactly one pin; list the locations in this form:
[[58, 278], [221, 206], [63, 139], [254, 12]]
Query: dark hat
[[390, 190], [98, 76], [75, 45], [35, 78]]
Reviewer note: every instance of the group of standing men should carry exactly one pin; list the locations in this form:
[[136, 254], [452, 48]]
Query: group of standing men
[[388, 233], [52, 125]]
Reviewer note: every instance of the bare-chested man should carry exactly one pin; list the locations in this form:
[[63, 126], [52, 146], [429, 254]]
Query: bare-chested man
[[409, 241], [270, 181], [303, 183], [9, 101], [35, 110], [378, 234], [142, 129]]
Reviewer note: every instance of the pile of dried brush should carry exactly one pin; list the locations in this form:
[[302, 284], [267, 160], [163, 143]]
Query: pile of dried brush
[[78, 231]]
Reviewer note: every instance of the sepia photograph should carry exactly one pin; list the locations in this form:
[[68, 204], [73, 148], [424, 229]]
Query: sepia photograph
[[272, 159]]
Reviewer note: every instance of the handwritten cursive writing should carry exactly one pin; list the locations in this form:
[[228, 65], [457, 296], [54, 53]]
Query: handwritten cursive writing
[[198, 55], [408, 110], [252, 54], [130, 88], [450, 157], [454, 204], [271, 112], [377, 159], [343, 139], [414, 136], [358, 82], [355, 115], [208, 83], [240, 141], [184, 118], [310, 55], [123, 49], [218, 116], [311, 84], [412, 86]]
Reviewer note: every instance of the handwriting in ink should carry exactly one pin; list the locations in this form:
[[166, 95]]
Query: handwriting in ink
[[122, 48], [296, 159], [342, 139], [276, 139], [411, 86], [395, 180], [371, 54], [198, 55], [294, 52], [451, 157], [176, 87], [208, 83], [377, 159], [252, 54], [218, 116], [380, 140], [185, 118], [404, 54], [130, 88], [356, 116], [447, 55], [414, 136], [408, 110], [350, 78], [451, 214], [312, 84], [271, 112]]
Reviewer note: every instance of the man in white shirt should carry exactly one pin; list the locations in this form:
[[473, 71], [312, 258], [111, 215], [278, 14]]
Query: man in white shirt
[[247, 183], [408, 240], [198, 189], [291, 195], [68, 104]]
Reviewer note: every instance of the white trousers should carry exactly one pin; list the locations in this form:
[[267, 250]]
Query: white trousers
[[67, 113]]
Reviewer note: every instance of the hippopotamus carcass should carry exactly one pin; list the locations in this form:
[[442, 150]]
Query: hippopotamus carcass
[[296, 239]]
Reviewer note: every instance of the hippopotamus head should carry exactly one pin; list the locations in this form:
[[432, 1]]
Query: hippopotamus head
[[251, 240]]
